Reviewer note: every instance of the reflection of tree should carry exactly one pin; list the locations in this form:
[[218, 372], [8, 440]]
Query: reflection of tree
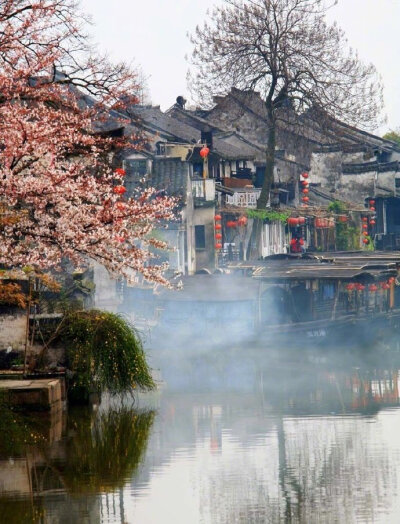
[[17, 511], [103, 451]]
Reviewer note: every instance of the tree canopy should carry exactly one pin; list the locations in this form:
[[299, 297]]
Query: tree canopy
[[61, 115], [288, 52]]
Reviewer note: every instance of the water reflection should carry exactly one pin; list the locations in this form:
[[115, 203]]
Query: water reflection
[[245, 438], [57, 473]]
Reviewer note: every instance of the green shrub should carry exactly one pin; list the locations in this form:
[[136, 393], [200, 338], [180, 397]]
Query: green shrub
[[104, 352]]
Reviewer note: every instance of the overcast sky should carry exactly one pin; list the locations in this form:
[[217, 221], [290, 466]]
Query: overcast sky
[[153, 34]]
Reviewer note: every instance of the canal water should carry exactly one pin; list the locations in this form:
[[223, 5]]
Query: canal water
[[230, 437]]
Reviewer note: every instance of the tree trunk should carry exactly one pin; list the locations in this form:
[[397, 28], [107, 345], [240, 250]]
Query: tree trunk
[[255, 242]]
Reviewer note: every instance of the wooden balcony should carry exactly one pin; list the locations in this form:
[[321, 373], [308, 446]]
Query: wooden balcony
[[243, 198]]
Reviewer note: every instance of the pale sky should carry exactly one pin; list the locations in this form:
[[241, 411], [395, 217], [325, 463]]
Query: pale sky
[[153, 34]]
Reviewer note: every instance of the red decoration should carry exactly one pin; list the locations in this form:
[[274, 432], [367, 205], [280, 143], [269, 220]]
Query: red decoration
[[372, 222], [365, 240], [372, 208], [373, 288], [218, 246], [342, 218], [204, 152], [364, 219], [304, 183], [305, 191], [359, 287], [218, 226], [365, 226], [372, 202], [304, 175], [305, 199], [231, 223], [385, 285], [293, 222], [120, 171], [302, 221], [365, 233], [119, 190], [217, 218], [242, 221], [350, 286], [218, 236]]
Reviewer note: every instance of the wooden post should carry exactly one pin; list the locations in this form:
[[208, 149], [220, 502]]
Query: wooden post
[[28, 312], [391, 297]]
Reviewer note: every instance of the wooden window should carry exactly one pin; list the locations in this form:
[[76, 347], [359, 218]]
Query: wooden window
[[200, 237]]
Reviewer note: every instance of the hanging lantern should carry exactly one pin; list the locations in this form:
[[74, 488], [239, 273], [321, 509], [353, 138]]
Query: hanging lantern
[[293, 222], [366, 241], [119, 190], [218, 227], [372, 222], [204, 152], [120, 171], [304, 183], [304, 191], [242, 221], [365, 226], [302, 221], [372, 202], [392, 280], [385, 286], [231, 223], [218, 236], [218, 246], [373, 288], [364, 219], [350, 286], [360, 287], [305, 199], [372, 208], [218, 218], [365, 233], [304, 175], [342, 218]]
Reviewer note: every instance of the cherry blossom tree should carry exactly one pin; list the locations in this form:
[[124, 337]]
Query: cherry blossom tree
[[61, 194]]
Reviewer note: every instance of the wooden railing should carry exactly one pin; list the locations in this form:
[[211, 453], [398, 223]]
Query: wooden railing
[[247, 198]]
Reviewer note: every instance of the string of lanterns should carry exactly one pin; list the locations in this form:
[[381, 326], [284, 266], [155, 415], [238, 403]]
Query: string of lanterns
[[372, 288], [305, 189]]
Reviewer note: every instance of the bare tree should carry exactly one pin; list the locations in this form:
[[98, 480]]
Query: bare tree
[[298, 62]]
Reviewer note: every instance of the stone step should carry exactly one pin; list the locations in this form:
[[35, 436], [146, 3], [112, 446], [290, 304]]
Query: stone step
[[34, 394]]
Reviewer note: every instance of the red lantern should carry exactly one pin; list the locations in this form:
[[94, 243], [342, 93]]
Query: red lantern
[[304, 183], [342, 218], [302, 221], [218, 236], [119, 190], [304, 175], [372, 222], [373, 288], [392, 280], [204, 152], [360, 287], [218, 246], [305, 199], [350, 287], [217, 218], [365, 233], [372, 208], [372, 202], [364, 219], [293, 222], [242, 221], [120, 172], [365, 226], [304, 191], [218, 227], [366, 241]]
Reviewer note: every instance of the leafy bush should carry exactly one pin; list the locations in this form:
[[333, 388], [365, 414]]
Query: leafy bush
[[104, 352]]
